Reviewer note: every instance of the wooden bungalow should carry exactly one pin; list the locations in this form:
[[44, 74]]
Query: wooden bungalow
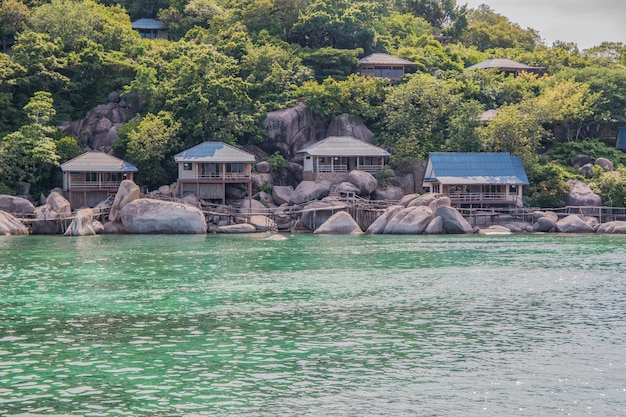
[[507, 66], [94, 176], [384, 66], [150, 28], [476, 180], [207, 168], [340, 155]]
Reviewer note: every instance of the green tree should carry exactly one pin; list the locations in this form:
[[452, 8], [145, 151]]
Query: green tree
[[416, 115], [463, 135], [14, 17], [151, 147], [330, 62], [611, 187], [29, 154]]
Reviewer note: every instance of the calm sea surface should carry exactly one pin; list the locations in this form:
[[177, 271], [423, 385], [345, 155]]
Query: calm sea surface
[[523, 325]]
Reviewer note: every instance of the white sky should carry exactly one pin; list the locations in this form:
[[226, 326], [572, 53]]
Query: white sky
[[586, 23]]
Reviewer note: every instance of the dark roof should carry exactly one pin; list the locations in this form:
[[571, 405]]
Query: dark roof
[[146, 23], [504, 65], [97, 162], [343, 146], [384, 59], [475, 168], [214, 152]]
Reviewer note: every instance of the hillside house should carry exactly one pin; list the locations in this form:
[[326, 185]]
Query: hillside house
[[476, 180], [94, 176], [507, 66], [150, 28], [384, 66], [207, 168], [339, 155]]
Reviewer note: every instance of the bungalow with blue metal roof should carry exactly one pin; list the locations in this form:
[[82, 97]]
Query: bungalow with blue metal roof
[[207, 168], [476, 179]]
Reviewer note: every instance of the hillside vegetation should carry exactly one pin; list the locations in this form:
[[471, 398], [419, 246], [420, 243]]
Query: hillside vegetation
[[228, 62]]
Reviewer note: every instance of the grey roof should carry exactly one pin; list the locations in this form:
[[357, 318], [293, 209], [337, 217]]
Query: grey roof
[[343, 146], [97, 162], [503, 64], [488, 115], [146, 23], [214, 152], [384, 59], [476, 168]]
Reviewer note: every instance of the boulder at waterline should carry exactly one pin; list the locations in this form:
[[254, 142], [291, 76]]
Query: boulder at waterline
[[435, 227], [126, 193], [452, 221], [56, 207], [10, 226], [262, 223], [495, 230], [410, 221], [16, 205], [340, 223], [614, 227], [317, 213], [236, 228], [154, 216], [573, 224], [544, 224], [516, 226], [277, 238], [82, 225], [379, 225], [309, 190], [113, 228]]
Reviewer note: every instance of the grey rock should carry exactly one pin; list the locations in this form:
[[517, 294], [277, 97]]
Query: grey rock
[[614, 227], [435, 227], [309, 191], [586, 170], [389, 193], [340, 223], [317, 213], [281, 194], [606, 164], [580, 160], [573, 224], [582, 196], [365, 181], [263, 167], [82, 225], [344, 125], [154, 216], [16, 205], [544, 224], [10, 226], [126, 193], [237, 228], [379, 225], [453, 222], [411, 220]]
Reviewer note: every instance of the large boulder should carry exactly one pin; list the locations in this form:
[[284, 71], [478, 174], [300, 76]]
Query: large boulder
[[364, 181], [154, 216], [346, 188], [101, 125], [9, 225], [614, 227], [544, 224], [389, 193], [56, 207], [581, 195], [317, 213], [344, 125], [16, 205], [126, 193], [435, 227], [263, 167], [452, 221], [309, 191], [379, 225], [340, 223], [289, 130], [573, 224], [281, 194], [411, 220], [82, 225], [262, 223]]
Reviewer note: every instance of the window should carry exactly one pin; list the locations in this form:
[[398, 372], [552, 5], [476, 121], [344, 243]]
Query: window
[[91, 176], [234, 167], [187, 166]]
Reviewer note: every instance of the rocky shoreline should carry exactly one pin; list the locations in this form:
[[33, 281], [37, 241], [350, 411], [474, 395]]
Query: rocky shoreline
[[318, 213]]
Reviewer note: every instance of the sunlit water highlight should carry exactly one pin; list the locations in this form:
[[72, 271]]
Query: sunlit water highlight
[[524, 325]]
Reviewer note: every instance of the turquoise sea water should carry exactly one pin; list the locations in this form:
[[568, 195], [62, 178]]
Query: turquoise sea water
[[523, 325]]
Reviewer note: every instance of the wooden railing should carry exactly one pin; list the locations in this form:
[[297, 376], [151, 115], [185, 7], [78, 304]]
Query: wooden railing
[[344, 168], [226, 176], [94, 185]]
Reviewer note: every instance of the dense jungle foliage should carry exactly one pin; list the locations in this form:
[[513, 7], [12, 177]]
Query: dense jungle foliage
[[228, 62]]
